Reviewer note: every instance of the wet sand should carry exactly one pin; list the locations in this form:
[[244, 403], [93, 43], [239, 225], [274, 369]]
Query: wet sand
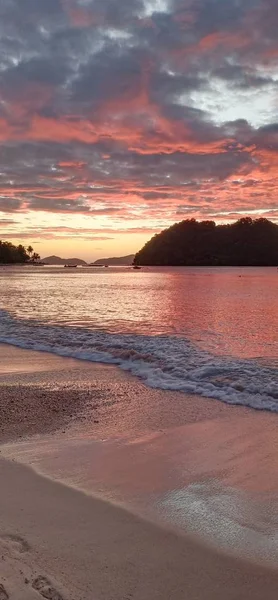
[[93, 550], [41, 392], [60, 542]]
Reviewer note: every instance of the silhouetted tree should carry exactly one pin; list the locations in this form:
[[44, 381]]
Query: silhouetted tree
[[30, 251], [10, 254]]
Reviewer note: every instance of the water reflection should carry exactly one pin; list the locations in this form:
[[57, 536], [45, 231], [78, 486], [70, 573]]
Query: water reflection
[[226, 311]]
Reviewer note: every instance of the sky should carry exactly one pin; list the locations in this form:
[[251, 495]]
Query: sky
[[119, 118]]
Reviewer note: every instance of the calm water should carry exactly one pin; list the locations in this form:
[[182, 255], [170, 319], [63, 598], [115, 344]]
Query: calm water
[[210, 331]]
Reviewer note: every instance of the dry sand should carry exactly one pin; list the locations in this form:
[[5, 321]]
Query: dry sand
[[57, 542]]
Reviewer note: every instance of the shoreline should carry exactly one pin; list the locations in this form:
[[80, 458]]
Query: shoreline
[[30, 384], [86, 545], [56, 391], [83, 547]]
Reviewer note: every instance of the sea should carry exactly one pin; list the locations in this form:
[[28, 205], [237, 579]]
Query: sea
[[206, 331]]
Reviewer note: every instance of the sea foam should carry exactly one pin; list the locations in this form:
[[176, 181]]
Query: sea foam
[[161, 361]]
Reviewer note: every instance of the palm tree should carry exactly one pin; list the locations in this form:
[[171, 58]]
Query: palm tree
[[30, 251], [35, 256]]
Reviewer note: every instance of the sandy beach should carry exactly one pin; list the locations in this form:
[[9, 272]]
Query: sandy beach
[[87, 540]]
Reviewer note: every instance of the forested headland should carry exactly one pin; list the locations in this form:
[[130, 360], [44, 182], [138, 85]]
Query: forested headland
[[246, 242]]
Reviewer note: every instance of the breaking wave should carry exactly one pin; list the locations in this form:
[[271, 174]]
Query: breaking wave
[[161, 361]]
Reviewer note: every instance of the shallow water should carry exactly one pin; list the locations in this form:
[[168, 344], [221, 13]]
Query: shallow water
[[208, 331], [216, 479]]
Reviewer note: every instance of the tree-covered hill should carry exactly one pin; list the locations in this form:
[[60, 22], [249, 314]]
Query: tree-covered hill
[[191, 243]]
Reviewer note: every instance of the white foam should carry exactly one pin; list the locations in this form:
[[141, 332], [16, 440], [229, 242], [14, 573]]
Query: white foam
[[165, 362], [230, 519]]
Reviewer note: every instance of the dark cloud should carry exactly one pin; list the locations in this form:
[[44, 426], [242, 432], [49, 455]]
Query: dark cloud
[[41, 174], [10, 205], [40, 70], [111, 74], [166, 89], [68, 206], [58, 205], [221, 15], [105, 104], [5, 222], [115, 13], [243, 77], [32, 12]]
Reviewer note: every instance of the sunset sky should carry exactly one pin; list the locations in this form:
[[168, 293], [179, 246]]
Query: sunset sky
[[121, 117]]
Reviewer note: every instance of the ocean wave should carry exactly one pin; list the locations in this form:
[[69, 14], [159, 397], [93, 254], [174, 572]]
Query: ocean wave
[[164, 362]]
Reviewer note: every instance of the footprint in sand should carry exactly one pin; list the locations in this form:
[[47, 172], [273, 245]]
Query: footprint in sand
[[17, 543], [45, 588], [3, 594]]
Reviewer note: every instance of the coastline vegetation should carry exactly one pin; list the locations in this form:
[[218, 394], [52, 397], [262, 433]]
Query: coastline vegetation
[[11, 254], [191, 243]]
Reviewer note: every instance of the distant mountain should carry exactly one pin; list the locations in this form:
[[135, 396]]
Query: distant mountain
[[116, 260], [56, 260], [190, 243]]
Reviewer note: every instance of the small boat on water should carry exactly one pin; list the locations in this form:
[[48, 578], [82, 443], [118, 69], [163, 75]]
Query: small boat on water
[[92, 265], [70, 266], [136, 267]]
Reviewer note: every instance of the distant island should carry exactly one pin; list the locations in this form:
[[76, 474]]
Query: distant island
[[12, 254], [57, 260], [191, 243], [116, 260]]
